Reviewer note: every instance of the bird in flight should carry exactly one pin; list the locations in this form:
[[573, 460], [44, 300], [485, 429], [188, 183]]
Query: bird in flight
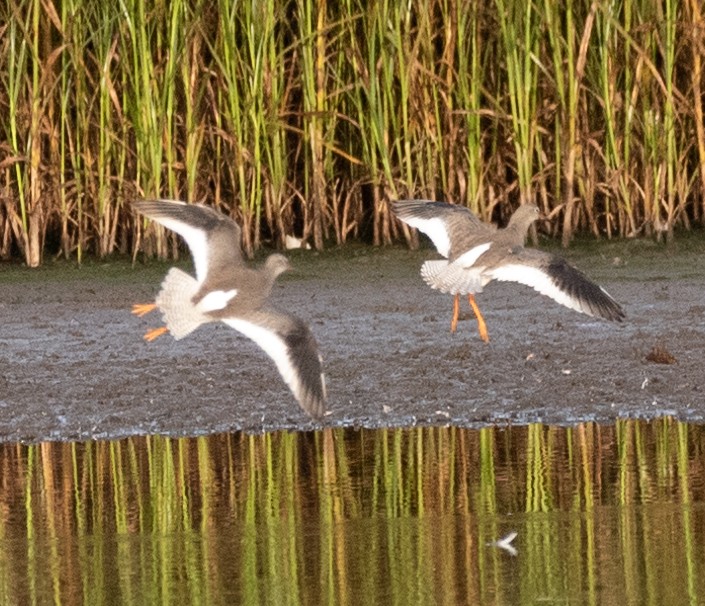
[[226, 289], [477, 253]]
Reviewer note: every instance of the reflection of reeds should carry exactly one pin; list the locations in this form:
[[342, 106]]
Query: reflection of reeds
[[305, 116], [346, 516]]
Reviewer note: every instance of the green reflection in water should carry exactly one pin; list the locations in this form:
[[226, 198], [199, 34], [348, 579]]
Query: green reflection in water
[[604, 515]]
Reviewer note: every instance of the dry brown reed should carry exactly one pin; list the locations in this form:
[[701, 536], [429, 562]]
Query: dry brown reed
[[304, 118]]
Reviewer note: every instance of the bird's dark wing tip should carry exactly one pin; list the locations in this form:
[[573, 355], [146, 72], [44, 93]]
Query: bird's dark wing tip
[[303, 354], [315, 406], [614, 312], [591, 296]]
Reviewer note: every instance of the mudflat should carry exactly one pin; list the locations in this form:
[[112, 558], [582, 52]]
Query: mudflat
[[73, 365]]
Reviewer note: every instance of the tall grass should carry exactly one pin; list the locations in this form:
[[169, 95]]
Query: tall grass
[[304, 117]]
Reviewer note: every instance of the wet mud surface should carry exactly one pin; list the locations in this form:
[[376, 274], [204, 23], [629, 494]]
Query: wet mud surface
[[73, 364]]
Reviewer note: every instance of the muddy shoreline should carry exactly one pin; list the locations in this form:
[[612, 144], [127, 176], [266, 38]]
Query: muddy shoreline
[[73, 365]]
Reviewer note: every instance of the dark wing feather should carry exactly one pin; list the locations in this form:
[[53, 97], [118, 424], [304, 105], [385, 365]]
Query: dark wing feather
[[292, 346], [557, 279]]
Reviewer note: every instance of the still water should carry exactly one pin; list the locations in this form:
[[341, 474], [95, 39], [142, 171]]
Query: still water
[[603, 514]]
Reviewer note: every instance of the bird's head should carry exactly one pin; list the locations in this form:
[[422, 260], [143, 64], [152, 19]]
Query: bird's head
[[524, 216], [277, 264]]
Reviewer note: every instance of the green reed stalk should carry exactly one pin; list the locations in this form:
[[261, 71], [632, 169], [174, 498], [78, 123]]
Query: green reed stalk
[[143, 100], [38, 92], [277, 88], [668, 37], [240, 53], [25, 97], [342, 134], [618, 146], [604, 34], [194, 87], [427, 125], [69, 13], [227, 111], [317, 118], [519, 37], [16, 62], [371, 75], [174, 59], [694, 11], [110, 132], [654, 142], [568, 68], [404, 58], [468, 86]]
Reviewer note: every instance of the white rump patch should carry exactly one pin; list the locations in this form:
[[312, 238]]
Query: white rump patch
[[216, 300]]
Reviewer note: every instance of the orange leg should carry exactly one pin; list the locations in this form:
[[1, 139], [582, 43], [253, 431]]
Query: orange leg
[[140, 309], [456, 311], [481, 326], [154, 333]]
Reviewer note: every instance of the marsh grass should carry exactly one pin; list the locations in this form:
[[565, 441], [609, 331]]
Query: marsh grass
[[304, 117]]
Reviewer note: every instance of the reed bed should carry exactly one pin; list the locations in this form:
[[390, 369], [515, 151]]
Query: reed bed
[[349, 516], [304, 117]]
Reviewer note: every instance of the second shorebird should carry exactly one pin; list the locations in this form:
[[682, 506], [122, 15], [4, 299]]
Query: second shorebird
[[477, 253], [226, 290]]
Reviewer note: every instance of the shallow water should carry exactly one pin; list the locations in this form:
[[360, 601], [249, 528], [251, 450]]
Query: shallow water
[[604, 514]]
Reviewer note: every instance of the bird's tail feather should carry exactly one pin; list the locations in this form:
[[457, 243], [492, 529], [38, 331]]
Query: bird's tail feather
[[451, 278], [174, 300]]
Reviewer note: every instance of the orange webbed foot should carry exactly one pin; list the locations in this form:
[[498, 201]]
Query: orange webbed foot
[[141, 309], [155, 333]]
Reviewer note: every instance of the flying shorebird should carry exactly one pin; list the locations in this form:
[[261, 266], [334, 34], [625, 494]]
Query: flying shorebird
[[227, 290], [478, 253]]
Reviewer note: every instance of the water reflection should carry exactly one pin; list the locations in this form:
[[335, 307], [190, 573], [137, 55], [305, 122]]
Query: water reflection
[[604, 515]]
